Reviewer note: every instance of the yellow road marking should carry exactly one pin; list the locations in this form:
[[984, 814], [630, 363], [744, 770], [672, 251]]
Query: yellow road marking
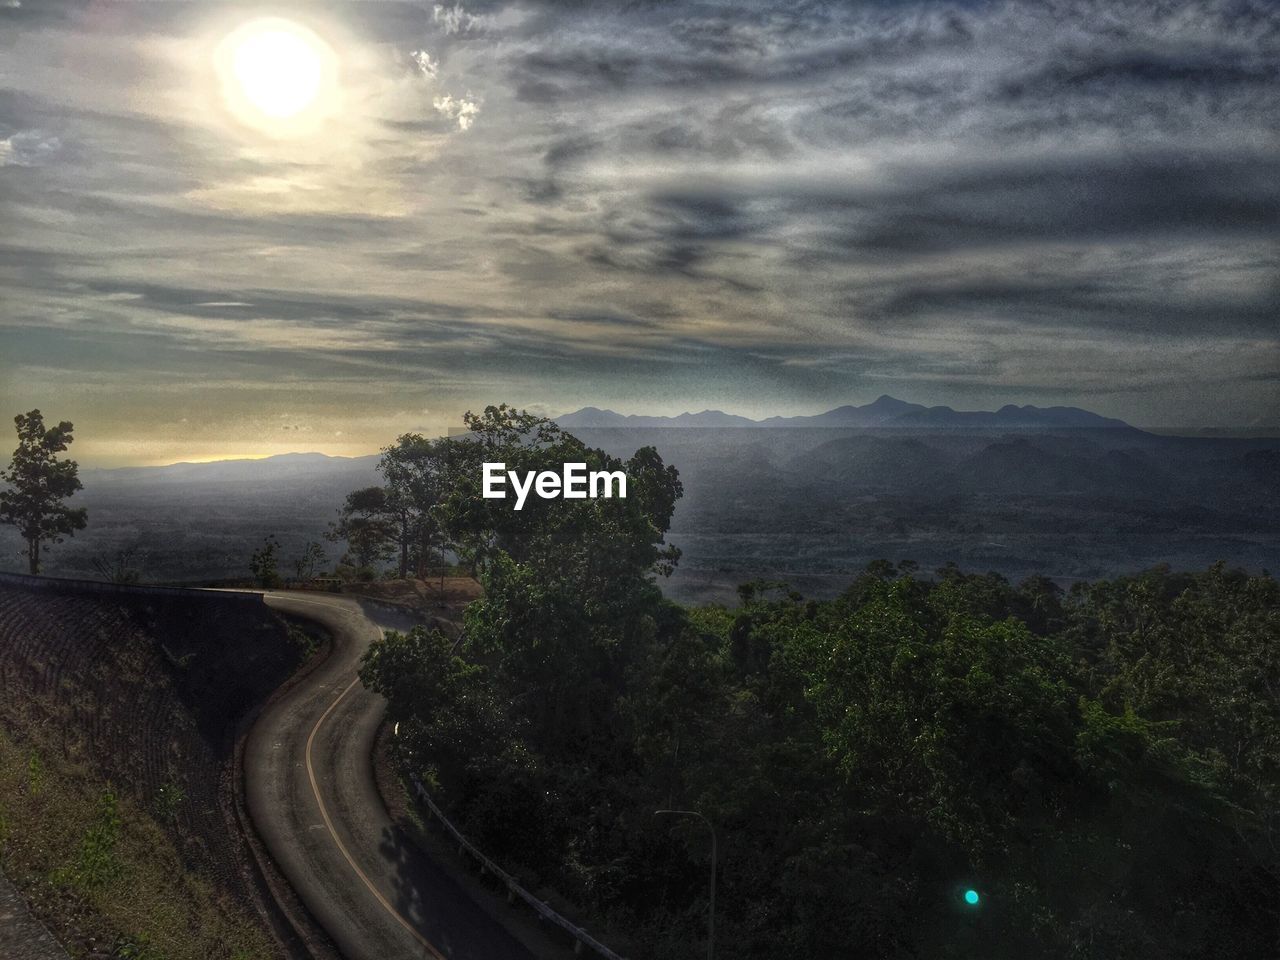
[[315, 789], [290, 598]]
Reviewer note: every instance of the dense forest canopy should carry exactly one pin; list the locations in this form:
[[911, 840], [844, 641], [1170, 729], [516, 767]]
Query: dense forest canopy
[[1100, 766]]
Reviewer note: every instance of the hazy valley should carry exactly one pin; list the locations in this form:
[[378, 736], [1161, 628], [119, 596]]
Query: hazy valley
[[810, 500]]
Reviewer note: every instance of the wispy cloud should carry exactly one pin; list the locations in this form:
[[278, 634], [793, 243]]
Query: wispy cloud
[[716, 204], [455, 19]]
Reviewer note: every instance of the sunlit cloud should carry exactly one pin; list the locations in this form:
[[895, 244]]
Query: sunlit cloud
[[427, 66], [464, 110], [27, 148]]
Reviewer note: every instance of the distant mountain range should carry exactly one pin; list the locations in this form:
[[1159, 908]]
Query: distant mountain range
[[886, 411]]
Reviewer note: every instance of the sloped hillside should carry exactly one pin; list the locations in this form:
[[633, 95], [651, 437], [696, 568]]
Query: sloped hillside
[[117, 730]]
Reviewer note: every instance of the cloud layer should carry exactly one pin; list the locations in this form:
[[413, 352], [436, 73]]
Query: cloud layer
[[769, 207]]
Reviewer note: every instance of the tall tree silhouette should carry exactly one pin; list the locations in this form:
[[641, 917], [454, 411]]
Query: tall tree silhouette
[[40, 482], [414, 469]]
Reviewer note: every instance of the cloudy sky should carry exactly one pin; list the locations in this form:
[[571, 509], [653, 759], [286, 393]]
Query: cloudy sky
[[761, 207]]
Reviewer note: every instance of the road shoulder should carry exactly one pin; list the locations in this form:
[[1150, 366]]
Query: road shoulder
[[296, 931], [519, 923], [22, 936]]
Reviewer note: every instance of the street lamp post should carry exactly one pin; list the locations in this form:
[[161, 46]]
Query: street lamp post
[[711, 913]]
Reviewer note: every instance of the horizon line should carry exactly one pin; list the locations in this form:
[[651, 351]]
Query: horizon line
[[1210, 432]]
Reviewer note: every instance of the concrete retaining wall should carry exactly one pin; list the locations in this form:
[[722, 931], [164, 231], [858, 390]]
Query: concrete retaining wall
[[27, 582]]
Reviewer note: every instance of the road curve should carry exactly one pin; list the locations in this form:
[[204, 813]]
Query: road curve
[[311, 793]]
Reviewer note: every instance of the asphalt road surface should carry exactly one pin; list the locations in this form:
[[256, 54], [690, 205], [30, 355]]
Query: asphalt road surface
[[310, 789], [22, 936]]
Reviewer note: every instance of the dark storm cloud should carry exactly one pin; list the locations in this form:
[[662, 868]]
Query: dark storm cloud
[[1188, 72], [1096, 303], [689, 221], [1084, 199]]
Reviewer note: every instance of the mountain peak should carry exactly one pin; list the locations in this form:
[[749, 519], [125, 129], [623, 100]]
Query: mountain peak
[[884, 411]]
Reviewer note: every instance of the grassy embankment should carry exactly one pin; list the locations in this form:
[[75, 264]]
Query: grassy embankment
[[100, 868], [117, 732]]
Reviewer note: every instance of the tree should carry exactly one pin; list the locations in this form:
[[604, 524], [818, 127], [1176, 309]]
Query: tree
[[568, 583], [1099, 768], [263, 563], [122, 568], [610, 540], [40, 482], [365, 522], [312, 557], [415, 469]]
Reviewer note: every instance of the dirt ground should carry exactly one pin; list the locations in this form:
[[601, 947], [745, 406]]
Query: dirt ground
[[424, 595]]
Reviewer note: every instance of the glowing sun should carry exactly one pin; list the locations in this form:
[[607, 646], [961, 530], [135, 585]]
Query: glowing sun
[[276, 74]]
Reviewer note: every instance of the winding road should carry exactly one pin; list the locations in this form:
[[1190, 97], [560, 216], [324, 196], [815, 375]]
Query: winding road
[[311, 792]]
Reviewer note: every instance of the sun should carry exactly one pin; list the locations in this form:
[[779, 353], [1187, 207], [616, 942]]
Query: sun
[[276, 74], [278, 70]]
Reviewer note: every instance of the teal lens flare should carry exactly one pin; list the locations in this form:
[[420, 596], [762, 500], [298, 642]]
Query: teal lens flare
[[971, 897]]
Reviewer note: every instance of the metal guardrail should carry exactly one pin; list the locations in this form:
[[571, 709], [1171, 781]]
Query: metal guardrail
[[513, 887]]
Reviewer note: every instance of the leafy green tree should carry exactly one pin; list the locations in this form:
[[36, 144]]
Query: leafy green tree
[[1199, 654], [631, 529], [366, 523], [414, 470], [568, 589], [40, 482], [458, 717], [569, 602]]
